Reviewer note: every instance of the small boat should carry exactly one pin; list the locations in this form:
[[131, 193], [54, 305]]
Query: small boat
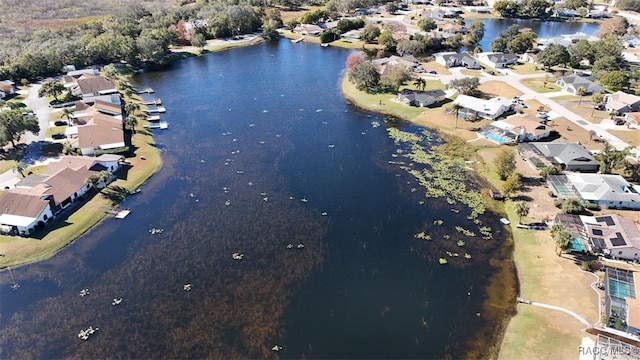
[[136, 191], [505, 221], [298, 39], [324, 44]]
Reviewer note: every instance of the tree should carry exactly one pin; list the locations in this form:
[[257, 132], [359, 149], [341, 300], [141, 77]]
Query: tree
[[198, 40], [597, 100], [456, 109], [592, 134], [507, 8], [465, 85], [391, 8], [51, 88], [550, 170], [410, 47], [354, 59], [535, 8], [576, 4], [99, 180], [386, 39], [614, 80], [554, 54], [617, 25], [580, 92], [522, 210], [499, 44], [512, 184], [369, 33], [476, 32], [427, 24], [580, 51], [562, 238], [522, 42], [632, 170], [420, 83], [365, 76], [67, 112], [394, 78], [13, 124], [572, 206], [505, 163], [20, 167], [610, 158], [608, 45]]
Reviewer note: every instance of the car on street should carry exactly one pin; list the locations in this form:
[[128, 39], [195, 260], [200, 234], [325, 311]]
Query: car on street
[[60, 123], [433, 72], [58, 136], [619, 121]]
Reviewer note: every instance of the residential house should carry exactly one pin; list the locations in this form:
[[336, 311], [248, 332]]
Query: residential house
[[2, 94], [22, 214], [572, 83], [499, 60], [361, 12], [529, 57], [308, 29], [100, 132], [408, 61], [488, 109], [566, 155], [452, 59], [611, 234], [523, 128], [352, 35], [632, 118], [89, 86], [620, 102], [8, 87], [605, 190], [420, 98], [37, 198], [451, 28]]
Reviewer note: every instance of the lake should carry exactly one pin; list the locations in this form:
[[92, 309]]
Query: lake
[[293, 219], [543, 28]]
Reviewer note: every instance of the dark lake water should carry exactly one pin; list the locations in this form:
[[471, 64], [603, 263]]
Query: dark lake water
[[492, 27], [265, 158]]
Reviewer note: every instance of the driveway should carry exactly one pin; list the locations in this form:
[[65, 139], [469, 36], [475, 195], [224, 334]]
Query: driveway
[[41, 108]]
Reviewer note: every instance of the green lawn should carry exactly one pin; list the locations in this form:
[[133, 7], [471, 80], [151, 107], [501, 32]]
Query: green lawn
[[527, 68], [542, 84]]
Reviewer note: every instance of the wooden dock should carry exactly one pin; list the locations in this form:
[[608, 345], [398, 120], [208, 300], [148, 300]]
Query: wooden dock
[[157, 109], [155, 101], [298, 39], [145, 91], [119, 213], [162, 125], [153, 118]]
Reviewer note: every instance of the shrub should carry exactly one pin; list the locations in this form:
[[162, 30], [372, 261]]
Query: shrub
[[591, 206], [557, 203], [551, 194], [585, 266]]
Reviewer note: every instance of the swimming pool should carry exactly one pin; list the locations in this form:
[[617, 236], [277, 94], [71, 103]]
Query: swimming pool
[[576, 244], [496, 137]]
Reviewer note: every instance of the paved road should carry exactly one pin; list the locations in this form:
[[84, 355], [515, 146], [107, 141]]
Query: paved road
[[41, 108], [513, 79]]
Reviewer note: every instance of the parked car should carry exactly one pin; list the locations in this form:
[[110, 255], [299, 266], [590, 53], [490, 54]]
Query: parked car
[[491, 72], [542, 115], [433, 72], [60, 123], [58, 136]]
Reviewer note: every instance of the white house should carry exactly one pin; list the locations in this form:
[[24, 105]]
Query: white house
[[499, 60], [22, 213], [420, 98], [620, 102], [606, 190], [488, 109], [523, 128]]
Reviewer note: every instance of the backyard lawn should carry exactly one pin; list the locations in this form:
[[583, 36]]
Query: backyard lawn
[[498, 88], [526, 68], [433, 65], [585, 109], [544, 84]]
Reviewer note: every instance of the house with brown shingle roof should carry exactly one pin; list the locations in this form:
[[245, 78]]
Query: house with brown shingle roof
[[89, 86], [37, 198], [96, 131], [21, 214]]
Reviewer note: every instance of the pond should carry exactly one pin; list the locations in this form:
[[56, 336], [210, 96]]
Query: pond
[[284, 222]]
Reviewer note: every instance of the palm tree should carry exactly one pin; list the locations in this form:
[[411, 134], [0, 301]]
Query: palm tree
[[580, 91], [522, 210], [131, 122], [100, 179], [130, 107], [420, 83], [456, 109], [20, 167], [562, 238], [591, 134], [67, 112], [597, 99]]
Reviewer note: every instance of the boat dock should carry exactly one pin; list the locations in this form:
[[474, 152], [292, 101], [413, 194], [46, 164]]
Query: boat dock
[[162, 125], [155, 101], [157, 109], [119, 213], [298, 39], [145, 91], [153, 118]]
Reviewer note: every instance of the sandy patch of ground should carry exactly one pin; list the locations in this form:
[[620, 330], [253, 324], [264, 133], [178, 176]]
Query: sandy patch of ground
[[498, 88]]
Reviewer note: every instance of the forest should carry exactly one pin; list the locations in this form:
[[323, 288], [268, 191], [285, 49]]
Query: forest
[[40, 37]]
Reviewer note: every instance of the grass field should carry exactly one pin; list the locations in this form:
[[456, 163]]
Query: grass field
[[527, 68], [542, 84]]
